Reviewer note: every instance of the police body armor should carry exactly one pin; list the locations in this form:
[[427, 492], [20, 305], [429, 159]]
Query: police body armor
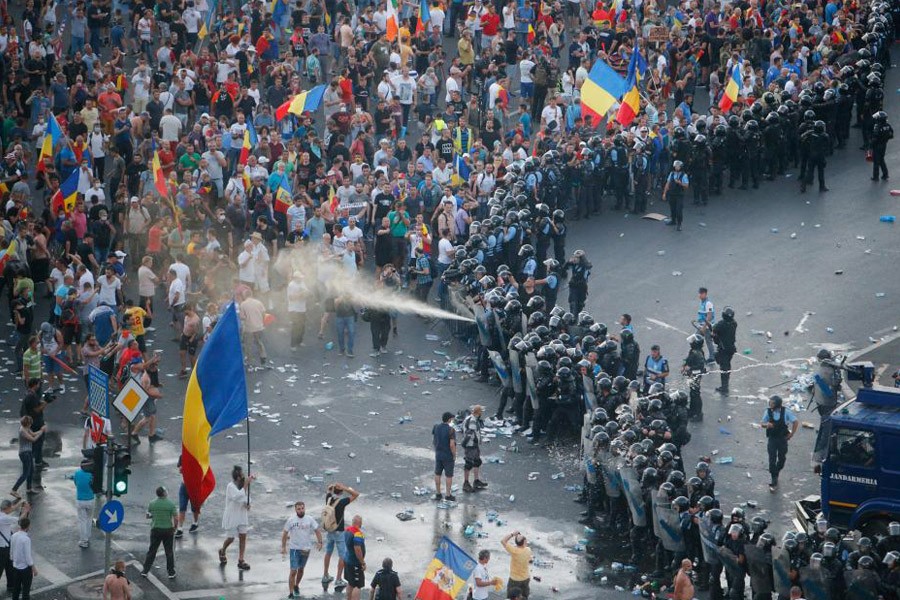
[[861, 584], [759, 567], [730, 561], [815, 583], [631, 487], [781, 571]]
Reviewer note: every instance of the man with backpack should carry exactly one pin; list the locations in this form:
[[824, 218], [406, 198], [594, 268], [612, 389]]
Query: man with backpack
[[333, 524]]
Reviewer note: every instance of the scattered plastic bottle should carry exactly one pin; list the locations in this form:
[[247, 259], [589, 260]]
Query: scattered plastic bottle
[[396, 495], [512, 498], [405, 419], [725, 460], [619, 588], [887, 218], [578, 548], [617, 567], [469, 531], [604, 580], [556, 476]]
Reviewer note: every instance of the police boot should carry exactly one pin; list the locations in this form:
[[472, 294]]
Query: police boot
[[723, 388]]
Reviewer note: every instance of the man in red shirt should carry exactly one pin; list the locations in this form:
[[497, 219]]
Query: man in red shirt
[[490, 25]]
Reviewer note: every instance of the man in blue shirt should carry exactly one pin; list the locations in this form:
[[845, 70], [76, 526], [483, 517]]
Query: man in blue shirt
[[84, 499], [780, 425], [676, 184]]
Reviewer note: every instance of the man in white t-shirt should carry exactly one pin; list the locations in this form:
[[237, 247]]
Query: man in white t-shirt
[[551, 112], [299, 530], [483, 580], [177, 296]]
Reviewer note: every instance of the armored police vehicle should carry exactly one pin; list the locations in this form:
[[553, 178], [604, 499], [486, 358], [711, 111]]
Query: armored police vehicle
[[861, 473]]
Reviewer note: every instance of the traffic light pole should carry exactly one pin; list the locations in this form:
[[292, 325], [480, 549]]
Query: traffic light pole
[[110, 465]]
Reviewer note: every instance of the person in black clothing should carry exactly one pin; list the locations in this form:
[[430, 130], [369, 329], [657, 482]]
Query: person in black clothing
[[386, 583], [33, 405], [23, 318], [882, 132], [694, 367], [780, 425], [724, 334]]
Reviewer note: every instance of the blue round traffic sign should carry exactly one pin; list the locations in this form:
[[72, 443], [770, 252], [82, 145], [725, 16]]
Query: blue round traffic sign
[[111, 515]]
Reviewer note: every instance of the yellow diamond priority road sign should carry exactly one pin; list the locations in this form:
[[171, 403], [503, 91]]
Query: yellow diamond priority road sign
[[130, 400]]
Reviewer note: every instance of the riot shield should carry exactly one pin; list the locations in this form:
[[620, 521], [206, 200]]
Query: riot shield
[[781, 571], [530, 366], [671, 535], [610, 466], [481, 322], [515, 371], [708, 542], [632, 489], [500, 367], [759, 567], [655, 503], [590, 400], [499, 329], [733, 568], [814, 582], [861, 584]]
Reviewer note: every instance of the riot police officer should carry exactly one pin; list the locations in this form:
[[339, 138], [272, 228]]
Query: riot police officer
[[718, 150], [640, 173], [724, 334], [816, 142], [700, 158], [882, 132], [580, 268], [558, 223], [825, 391], [619, 163], [676, 184], [780, 425], [694, 366], [631, 354]]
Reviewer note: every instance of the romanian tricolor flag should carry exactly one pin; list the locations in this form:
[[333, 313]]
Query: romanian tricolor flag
[[207, 23], [277, 9], [732, 88], [393, 21], [159, 178], [447, 573], [215, 400], [600, 91], [303, 102], [250, 142], [531, 34], [631, 102], [283, 196], [7, 254], [54, 133], [424, 16], [64, 198]]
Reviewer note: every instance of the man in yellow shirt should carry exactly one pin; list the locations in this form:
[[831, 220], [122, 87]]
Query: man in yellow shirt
[[519, 564], [134, 320]]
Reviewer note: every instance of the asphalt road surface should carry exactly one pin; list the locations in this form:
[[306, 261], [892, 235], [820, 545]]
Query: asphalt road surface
[[773, 254]]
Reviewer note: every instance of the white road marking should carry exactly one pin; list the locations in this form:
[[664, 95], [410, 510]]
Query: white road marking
[[49, 572], [666, 325]]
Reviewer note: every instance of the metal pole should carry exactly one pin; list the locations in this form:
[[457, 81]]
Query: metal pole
[[248, 460], [110, 461]]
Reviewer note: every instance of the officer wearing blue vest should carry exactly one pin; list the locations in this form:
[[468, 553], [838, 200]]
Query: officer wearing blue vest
[[780, 425], [656, 368], [706, 318], [676, 184], [550, 283]]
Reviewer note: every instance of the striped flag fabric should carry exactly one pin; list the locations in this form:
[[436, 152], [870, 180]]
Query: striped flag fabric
[[215, 400]]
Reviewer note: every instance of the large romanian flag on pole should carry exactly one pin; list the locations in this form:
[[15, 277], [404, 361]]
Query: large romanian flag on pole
[[424, 15], [308, 101], [600, 91], [732, 89], [251, 140], [63, 201], [216, 400], [631, 101], [447, 573]]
